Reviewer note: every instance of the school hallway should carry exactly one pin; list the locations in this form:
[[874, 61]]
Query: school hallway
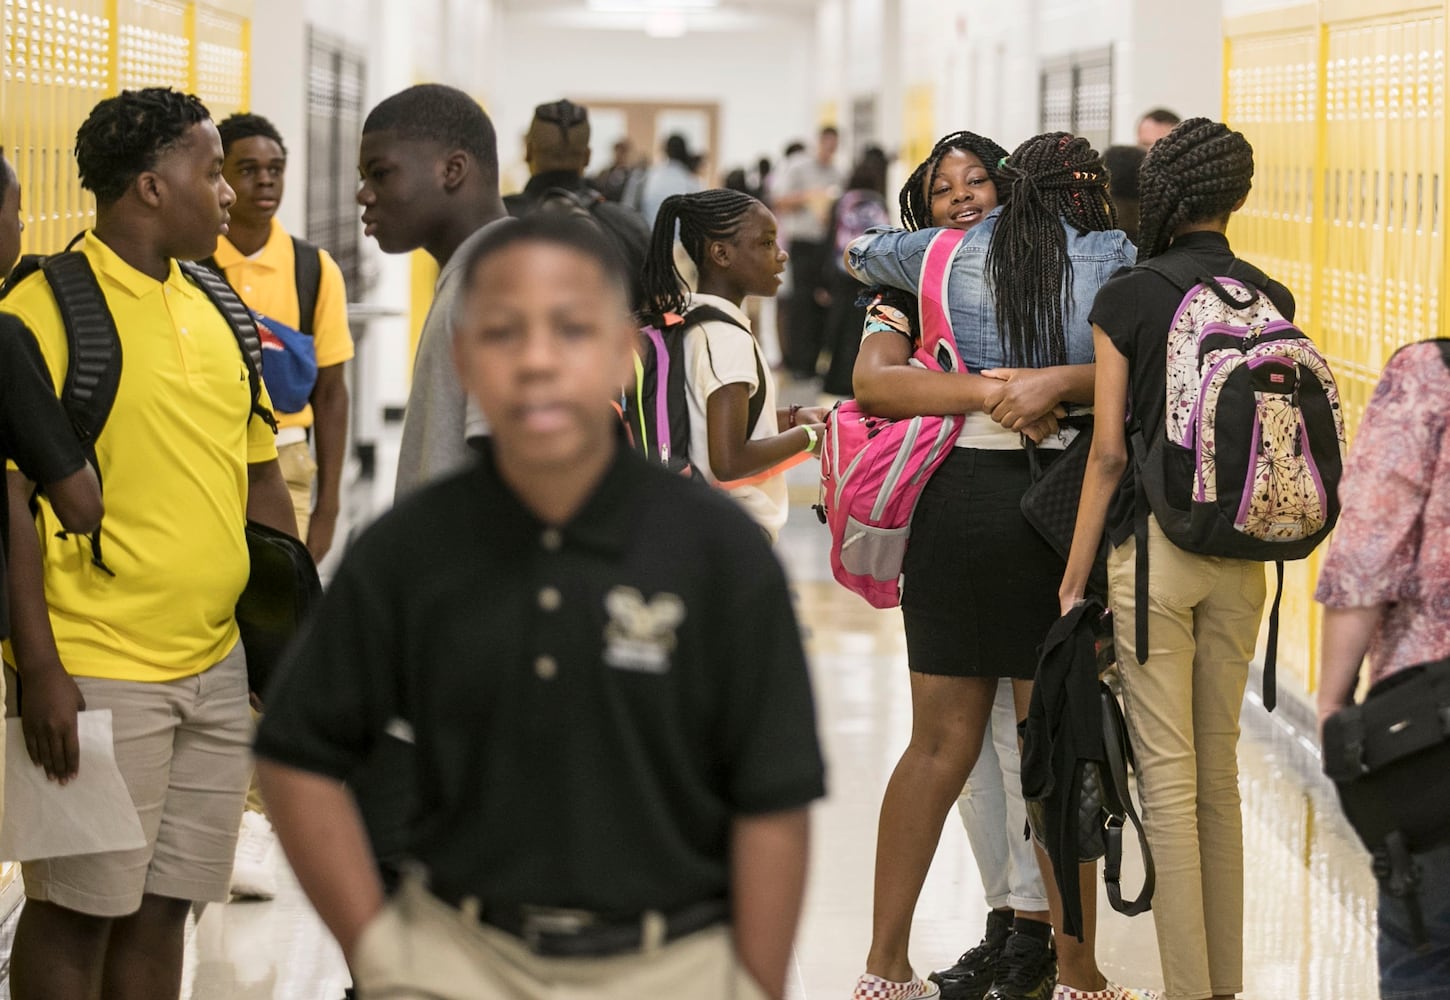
[[1309, 894]]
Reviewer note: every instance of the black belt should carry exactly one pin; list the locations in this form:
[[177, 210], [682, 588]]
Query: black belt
[[564, 933]]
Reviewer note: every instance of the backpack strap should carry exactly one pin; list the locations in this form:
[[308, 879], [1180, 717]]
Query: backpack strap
[[93, 374], [710, 314], [1184, 271], [1140, 545], [93, 371], [307, 272], [243, 327], [1271, 654], [1118, 752], [934, 318]]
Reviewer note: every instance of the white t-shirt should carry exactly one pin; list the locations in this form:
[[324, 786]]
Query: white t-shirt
[[731, 359]]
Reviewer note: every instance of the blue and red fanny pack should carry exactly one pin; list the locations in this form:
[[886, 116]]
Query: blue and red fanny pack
[[289, 364]]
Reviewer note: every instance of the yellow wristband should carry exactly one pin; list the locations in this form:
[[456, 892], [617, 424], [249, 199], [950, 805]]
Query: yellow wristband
[[810, 437]]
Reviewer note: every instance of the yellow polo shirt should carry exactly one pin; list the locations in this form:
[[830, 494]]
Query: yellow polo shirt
[[267, 282], [173, 461]]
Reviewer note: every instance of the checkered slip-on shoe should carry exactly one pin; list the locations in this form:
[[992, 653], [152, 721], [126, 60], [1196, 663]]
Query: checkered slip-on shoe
[[1112, 992], [870, 987]]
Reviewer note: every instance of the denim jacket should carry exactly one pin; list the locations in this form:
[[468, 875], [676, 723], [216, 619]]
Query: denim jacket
[[894, 257]]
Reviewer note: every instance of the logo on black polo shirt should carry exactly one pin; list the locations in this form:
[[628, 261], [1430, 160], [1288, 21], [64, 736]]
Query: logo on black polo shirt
[[641, 635]]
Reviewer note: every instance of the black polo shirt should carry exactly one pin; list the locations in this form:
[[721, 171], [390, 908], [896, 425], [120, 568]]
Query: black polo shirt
[[591, 705], [1136, 309], [34, 431]]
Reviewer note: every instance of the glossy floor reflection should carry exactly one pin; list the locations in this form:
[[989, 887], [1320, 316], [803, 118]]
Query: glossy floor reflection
[[1310, 895]]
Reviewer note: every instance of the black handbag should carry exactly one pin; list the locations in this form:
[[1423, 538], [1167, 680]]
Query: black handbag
[[1105, 806], [1389, 759], [281, 591], [1050, 503]]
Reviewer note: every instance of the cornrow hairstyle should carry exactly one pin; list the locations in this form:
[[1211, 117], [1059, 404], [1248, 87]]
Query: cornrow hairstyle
[[915, 205], [1054, 180], [1197, 173], [241, 126], [702, 217], [436, 113], [124, 135]]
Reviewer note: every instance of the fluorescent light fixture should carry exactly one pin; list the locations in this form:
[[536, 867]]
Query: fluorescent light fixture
[[651, 6]]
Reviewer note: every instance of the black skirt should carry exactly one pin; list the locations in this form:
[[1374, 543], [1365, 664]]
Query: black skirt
[[979, 589]]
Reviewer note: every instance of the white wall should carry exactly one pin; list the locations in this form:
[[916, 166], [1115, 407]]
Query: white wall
[[763, 81], [1175, 61], [984, 64]]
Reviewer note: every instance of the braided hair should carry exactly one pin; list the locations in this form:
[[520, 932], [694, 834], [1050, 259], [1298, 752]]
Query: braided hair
[[1199, 172], [702, 217], [1053, 179], [124, 135], [914, 199]]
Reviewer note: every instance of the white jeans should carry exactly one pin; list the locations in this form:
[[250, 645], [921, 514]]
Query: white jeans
[[992, 811]]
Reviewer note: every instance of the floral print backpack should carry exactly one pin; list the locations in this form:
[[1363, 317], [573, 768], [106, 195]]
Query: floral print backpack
[[1248, 461]]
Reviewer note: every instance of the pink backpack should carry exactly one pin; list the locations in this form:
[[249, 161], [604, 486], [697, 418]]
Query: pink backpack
[[874, 469]]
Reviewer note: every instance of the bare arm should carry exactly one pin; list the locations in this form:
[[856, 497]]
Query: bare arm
[[268, 501], [888, 386], [732, 456], [1107, 459], [329, 431], [318, 824], [76, 500], [1025, 395], [50, 697], [767, 883], [1347, 634]]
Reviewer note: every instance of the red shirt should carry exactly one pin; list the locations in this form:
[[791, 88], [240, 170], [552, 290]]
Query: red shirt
[[1392, 546]]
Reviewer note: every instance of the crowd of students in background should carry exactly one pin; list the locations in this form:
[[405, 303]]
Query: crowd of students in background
[[595, 648]]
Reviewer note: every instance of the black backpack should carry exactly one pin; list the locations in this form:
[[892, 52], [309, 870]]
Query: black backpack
[[655, 411], [1247, 462], [283, 585]]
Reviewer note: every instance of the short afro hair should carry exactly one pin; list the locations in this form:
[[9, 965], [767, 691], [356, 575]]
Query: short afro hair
[[248, 126], [441, 114], [5, 171], [579, 235], [124, 135]]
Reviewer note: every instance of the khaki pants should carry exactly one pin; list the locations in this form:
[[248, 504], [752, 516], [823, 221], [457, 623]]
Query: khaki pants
[[1183, 715], [420, 948], [300, 472]]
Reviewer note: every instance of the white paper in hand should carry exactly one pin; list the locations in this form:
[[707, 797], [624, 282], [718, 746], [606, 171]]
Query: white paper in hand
[[92, 814]]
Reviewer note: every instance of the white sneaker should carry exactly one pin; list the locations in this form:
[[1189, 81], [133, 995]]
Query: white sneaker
[[254, 875]]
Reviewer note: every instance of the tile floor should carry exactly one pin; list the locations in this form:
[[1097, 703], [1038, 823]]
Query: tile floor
[[1310, 896]]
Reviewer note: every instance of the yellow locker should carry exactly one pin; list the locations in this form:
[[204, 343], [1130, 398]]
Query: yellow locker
[[59, 59], [1345, 107]]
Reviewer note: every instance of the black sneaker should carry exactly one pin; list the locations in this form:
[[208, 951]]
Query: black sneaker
[[975, 971], [1027, 970]]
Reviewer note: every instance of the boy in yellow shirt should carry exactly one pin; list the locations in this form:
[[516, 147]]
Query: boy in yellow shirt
[[151, 635]]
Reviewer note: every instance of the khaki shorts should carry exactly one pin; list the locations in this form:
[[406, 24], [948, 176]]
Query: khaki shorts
[[420, 948], [183, 748], [299, 471]]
